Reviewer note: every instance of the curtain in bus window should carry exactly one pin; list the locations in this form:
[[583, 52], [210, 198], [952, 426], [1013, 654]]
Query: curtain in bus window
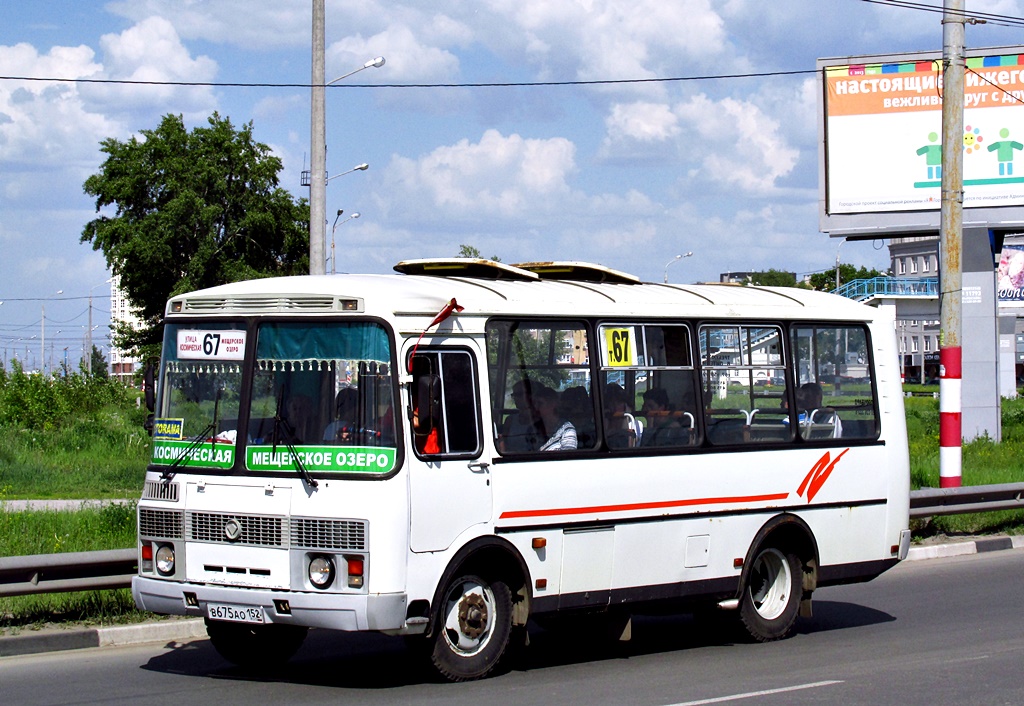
[[356, 341]]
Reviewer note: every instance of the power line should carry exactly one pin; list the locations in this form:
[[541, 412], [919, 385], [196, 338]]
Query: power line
[[512, 84], [974, 17]]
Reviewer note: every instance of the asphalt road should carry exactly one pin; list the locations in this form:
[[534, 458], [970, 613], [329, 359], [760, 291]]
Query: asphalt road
[[942, 631]]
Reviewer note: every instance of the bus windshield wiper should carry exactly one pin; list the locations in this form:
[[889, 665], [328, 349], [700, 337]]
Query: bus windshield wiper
[[279, 422], [209, 431]]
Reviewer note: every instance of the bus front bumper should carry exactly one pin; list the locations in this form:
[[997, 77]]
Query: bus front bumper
[[352, 612]]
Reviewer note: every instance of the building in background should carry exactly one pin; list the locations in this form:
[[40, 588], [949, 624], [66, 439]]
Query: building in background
[[122, 365]]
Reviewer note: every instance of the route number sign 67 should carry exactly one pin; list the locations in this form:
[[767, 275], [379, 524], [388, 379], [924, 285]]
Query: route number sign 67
[[620, 347]]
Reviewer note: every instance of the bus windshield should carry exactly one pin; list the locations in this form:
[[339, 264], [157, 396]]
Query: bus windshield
[[320, 398]]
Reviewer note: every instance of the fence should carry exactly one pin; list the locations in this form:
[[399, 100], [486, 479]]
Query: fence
[[86, 571]]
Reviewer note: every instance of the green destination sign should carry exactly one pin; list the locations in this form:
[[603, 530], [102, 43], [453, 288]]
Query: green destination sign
[[206, 455], [317, 459]]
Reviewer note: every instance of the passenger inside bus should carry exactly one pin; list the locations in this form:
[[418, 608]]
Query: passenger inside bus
[[296, 419], [560, 431], [521, 429], [342, 429], [622, 429], [575, 404], [811, 395], [663, 426]]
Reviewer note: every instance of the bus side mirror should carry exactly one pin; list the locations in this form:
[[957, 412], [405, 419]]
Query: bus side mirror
[[150, 394], [147, 384]]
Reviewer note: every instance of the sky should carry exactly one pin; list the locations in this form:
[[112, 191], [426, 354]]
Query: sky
[[628, 175]]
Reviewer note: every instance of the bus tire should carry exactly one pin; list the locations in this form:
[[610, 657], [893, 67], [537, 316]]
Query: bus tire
[[255, 646], [770, 598], [473, 625]]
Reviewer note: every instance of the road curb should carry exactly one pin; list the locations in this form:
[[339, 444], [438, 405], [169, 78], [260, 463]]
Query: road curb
[[189, 629], [976, 546], [118, 635]]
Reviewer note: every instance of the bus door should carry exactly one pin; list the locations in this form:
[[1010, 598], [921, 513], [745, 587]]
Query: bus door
[[450, 485]]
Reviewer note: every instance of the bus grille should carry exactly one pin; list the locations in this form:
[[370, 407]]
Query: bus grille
[[313, 533], [160, 490], [255, 529], [163, 524], [269, 304]]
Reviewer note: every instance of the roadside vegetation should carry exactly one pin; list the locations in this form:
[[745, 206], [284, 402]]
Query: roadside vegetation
[[81, 437]]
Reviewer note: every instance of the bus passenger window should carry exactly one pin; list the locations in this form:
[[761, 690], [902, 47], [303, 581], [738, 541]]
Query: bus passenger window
[[835, 396]]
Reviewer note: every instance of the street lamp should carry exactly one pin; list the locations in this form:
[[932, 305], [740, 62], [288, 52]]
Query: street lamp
[[334, 228], [318, 142], [358, 168], [674, 259]]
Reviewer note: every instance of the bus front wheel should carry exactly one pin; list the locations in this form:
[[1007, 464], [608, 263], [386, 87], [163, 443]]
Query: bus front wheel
[[473, 626], [255, 646], [771, 595]]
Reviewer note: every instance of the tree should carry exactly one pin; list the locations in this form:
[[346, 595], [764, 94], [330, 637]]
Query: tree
[[99, 363], [773, 278], [191, 210], [472, 252], [826, 281]]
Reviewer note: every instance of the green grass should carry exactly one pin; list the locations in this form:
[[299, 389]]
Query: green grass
[[51, 531]]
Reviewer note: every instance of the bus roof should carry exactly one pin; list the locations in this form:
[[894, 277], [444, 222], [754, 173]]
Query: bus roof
[[485, 288]]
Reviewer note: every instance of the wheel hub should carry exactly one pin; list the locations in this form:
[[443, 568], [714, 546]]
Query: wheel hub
[[472, 615]]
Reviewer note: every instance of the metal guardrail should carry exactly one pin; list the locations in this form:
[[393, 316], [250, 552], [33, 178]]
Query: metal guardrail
[[90, 571], [71, 571], [929, 502]]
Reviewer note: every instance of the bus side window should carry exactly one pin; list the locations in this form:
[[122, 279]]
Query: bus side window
[[444, 412]]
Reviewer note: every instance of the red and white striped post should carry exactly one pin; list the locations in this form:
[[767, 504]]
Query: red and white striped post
[[950, 427], [951, 245]]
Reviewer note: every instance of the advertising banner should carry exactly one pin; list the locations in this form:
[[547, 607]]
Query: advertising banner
[[1010, 274], [883, 127]]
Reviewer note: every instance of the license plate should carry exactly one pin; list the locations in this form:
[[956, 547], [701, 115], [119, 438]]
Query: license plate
[[235, 613]]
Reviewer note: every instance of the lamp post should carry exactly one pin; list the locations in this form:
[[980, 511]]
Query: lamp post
[[334, 228], [318, 142], [674, 259], [42, 333]]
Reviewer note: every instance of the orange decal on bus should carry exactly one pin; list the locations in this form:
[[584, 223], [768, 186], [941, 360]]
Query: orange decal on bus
[[818, 474]]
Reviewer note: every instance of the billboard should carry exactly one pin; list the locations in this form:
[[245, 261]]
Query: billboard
[[880, 163], [1010, 274]]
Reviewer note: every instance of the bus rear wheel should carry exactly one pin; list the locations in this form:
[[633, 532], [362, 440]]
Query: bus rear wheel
[[473, 626], [255, 646], [771, 595]]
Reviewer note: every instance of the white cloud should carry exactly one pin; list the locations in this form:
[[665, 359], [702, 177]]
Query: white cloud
[[642, 122], [509, 177], [152, 51], [736, 143], [45, 124]]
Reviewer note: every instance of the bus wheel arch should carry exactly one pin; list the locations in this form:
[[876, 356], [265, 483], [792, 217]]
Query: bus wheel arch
[[779, 575], [479, 611]]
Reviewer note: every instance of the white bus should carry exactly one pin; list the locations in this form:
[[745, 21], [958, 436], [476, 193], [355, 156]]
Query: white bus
[[449, 451]]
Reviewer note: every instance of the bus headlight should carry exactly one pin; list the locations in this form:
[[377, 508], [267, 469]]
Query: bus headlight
[[321, 571], [165, 559]]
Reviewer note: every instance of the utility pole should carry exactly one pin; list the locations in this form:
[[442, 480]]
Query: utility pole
[[951, 246], [318, 149]]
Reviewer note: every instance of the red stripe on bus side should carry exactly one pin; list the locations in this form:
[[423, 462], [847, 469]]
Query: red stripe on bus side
[[513, 514]]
